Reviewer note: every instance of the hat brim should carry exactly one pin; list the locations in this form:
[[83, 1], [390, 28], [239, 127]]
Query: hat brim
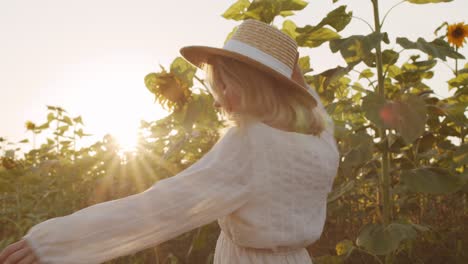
[[199, 55]]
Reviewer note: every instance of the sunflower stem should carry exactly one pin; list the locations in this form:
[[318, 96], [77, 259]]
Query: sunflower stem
[[385, 158], [390, 10], [365, 21]]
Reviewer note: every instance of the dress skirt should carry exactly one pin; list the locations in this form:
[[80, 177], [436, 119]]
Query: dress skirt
[[227, 252]]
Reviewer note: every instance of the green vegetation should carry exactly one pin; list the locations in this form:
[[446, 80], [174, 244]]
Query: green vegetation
[[401, 192]]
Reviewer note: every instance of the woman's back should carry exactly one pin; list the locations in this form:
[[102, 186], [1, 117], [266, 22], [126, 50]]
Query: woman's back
[[291, 176]]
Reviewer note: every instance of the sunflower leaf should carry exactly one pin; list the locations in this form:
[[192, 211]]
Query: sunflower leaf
[[437, 48], [420, 2], [357, 48], [314, 36], [338, 18], [381, 240], [266, 11], [236, 10], [431, 180]]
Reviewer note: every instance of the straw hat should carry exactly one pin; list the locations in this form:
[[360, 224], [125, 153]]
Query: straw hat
[[260, 45]]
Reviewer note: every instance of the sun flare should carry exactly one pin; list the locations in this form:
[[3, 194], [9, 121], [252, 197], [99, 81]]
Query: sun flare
[[127, 139]]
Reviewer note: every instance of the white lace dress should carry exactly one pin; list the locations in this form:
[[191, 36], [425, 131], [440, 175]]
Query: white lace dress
[[266, 187]]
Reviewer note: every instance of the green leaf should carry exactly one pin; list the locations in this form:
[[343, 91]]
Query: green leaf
[[438, 48], [292, 4], [236, 10], [289, 27], [323, 80], [390, 57], [50, 117], [428, 1], [67, 120], [50, 141], [357, 48], [412, 74], [407, 116], [460, 80], [286, 13], [338, 19], [65, 142], [367, 73], [267, 10], [431, 180], [380, 240], [393, 70], [460, 155], [228, 37], [53, 108], [304, 64], [43, 126], [316, 37], [78, 120], [455, 111], [420, 65], [373, 105], [183, 70], [362, 147]]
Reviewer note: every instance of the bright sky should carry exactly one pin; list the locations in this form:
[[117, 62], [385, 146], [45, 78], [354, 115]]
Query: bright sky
[[90, 56]]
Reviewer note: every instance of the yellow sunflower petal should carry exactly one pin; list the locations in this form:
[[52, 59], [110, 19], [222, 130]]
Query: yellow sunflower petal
[[456, 34]]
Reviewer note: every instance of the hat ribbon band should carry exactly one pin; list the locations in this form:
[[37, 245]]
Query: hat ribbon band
[[258, 55]]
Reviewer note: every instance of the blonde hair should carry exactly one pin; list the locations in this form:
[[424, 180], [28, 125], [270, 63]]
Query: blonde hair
[[261, 98]]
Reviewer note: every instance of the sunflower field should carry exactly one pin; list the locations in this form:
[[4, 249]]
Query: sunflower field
[[400, 195]]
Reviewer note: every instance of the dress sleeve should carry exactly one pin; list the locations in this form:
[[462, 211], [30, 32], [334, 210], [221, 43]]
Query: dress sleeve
[[212, 187]]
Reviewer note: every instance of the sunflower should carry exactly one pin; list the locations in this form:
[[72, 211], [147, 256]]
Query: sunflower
[[30, 125], [456, 34]]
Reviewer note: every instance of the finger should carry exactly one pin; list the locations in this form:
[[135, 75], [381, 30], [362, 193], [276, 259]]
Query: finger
[[11, 249], [35, 258], [29, 259], [17, 256]]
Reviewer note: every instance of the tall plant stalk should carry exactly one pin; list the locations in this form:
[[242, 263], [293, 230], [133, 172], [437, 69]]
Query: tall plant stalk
[[384, 173]]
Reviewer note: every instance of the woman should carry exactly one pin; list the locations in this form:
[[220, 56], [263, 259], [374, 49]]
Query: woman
[[266, 180]]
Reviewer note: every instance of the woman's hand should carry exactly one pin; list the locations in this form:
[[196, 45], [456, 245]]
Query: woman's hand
[[18, 253]]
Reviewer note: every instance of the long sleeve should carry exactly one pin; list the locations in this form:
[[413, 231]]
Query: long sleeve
[[214, 186]]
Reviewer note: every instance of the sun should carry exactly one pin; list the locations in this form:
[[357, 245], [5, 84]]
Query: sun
[[126, 138], [125, 128]]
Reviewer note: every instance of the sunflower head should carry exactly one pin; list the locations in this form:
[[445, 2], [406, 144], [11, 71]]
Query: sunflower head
[[30, 125], [456, 34]]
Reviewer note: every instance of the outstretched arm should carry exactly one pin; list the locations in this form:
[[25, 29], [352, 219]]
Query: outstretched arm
[[214, 186]]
